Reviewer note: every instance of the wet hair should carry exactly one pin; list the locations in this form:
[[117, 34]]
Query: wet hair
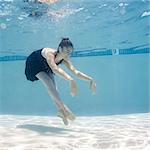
[[65, 42]]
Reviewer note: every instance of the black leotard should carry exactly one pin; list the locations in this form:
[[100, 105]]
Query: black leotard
[[35, 63]]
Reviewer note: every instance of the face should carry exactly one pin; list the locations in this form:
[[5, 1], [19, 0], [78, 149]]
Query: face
[[66, 51]]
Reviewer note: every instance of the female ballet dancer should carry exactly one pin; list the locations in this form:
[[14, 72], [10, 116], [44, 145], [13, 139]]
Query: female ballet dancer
[[43, 64]]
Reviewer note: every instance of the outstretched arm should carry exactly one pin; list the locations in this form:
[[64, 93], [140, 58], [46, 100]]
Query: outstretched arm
[[81, 75]]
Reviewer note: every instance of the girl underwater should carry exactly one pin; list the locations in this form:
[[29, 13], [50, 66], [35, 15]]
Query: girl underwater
[[43, 64]]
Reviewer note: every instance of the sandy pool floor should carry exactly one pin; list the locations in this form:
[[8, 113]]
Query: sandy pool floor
[[119, 132]]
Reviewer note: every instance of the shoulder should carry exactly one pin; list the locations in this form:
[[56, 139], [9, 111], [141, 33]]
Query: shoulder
[[46, 51]]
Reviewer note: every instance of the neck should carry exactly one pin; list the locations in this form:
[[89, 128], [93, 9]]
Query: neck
[[58, 57]]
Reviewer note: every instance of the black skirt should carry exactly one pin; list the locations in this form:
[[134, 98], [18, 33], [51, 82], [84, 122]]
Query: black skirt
[[36, 63]]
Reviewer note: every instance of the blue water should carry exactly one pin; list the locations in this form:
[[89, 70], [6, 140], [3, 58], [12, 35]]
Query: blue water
[[123, 81]]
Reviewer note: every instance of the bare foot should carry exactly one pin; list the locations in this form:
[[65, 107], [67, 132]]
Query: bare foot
[[68, 113], [62, 115]]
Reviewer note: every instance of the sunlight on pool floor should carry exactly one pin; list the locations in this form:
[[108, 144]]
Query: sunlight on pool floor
[[123, 132]]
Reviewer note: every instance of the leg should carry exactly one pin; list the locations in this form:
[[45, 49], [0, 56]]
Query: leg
[[52, 77], [69, 114], [48, 81]]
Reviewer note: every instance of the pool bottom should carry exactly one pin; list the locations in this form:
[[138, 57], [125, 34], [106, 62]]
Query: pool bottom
[[124, 132]]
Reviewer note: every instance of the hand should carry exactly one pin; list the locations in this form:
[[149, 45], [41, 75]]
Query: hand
[[93, 86], [73, 87]]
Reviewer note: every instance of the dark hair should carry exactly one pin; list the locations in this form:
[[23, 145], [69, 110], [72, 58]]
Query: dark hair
[[65, 42]]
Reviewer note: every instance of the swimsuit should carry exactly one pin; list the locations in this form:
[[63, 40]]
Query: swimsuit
[[36, 63]]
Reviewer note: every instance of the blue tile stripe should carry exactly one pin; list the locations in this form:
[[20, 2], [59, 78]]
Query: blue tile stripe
[[87, 53]]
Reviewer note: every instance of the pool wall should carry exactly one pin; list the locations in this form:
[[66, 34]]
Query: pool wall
[[122, 87]]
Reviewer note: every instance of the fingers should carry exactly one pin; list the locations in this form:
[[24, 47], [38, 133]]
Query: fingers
[[73, 88], [93, 87], [72, 94], [74, 91]]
